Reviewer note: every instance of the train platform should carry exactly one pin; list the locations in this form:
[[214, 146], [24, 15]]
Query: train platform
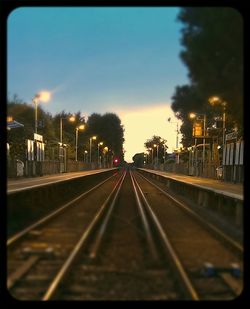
[[14, 185], [218, 186]]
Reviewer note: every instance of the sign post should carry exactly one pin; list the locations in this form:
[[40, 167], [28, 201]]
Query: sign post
[[39, 152]]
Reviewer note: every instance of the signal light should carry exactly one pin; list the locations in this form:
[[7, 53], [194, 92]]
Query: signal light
[[116, 160]]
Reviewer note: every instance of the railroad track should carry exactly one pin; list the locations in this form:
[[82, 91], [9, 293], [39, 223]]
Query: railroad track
[[212, 260], [36, 253], [118, 247]]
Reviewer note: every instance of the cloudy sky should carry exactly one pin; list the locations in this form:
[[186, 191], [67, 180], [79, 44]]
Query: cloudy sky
[[100, 59]]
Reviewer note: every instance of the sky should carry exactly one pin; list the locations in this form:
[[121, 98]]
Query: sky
[[100, 59]]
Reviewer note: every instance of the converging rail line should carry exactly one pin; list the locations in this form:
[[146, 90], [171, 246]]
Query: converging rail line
[[123, 239], [212, 259]]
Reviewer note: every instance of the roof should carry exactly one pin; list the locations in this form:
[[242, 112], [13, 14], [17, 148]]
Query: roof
[[14, 124]]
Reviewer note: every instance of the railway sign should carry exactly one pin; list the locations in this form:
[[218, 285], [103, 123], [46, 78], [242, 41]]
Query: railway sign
[[230, 136], [197, 129], [38, 137]]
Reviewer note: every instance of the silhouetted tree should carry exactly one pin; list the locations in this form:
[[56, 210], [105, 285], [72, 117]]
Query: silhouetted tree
[[153, 143], [138, 159], [109, 130], [212, 38]]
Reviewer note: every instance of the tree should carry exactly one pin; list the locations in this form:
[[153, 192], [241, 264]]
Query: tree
[[156, 142], [213, 52], [107, 127], [109, 130], [138, 159], [185, 100]]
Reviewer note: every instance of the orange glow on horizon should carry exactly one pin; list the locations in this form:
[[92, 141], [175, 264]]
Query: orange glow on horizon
[[142, 123]]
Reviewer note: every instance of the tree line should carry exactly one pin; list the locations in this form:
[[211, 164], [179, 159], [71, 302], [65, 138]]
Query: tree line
[[106, 127], [156, 150]]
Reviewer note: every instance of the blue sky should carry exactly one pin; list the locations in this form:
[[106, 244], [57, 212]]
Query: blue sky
[[100, 59]]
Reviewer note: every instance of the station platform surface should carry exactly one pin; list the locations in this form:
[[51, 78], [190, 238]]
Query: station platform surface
[[14, 185], [218, 186]]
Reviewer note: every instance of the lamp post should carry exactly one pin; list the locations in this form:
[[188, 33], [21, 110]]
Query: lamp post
[[177, 130], [98, 159], [35, 101], [157, 147], [85, 156], [164, 156], [163, 141], [214, 101], [196, 116], [90, 146], [151, 149], [71, 119], [217, 100], [42, 96], [105, 151], [81, 127], [62, 150]]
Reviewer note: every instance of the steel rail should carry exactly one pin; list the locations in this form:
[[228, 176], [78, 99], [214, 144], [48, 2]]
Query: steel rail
[[61, 274], [103, 227], [183, 276], [145, 222], [12, 240], [210, 226]]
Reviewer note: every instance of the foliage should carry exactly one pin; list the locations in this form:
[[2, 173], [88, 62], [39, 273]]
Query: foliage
[[138, 159], [151, 145], [213, 52], [185, 100], [107, 127], [108, 130]]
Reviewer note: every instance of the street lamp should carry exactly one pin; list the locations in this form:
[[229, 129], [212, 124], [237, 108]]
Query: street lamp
[[165, 150], [81, 127], [42, 96], [105, 151], [217, 100], [90, 145], [163, 141], [157, 147], [214, 101], [62, 150], [85, 156], [151, 154], [98, 159], [71, 119], [177, 130]]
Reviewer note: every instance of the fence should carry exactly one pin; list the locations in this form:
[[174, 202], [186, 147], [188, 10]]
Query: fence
[[17, 168], [232, 173]]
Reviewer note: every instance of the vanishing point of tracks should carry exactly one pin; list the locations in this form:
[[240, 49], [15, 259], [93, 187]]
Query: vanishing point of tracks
[[125, 239]]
